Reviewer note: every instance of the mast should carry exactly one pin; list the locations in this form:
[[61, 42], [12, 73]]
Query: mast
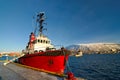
[[40, 20]]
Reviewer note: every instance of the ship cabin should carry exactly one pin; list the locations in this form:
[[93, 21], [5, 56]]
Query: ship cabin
[[42, 43]]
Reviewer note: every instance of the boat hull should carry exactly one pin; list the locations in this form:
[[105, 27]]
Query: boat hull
[[51, 61]]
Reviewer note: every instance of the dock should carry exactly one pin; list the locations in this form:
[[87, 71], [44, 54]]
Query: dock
[[13, 71]]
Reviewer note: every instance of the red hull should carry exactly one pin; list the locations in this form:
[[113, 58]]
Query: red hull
[[50, 61]]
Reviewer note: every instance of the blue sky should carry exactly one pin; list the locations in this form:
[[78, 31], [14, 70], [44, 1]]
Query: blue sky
[[68, 21]]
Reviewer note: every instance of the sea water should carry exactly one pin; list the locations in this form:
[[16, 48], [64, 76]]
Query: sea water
[[96, 66]]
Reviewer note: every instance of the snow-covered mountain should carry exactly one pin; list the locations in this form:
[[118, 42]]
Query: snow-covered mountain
[[96, 47]]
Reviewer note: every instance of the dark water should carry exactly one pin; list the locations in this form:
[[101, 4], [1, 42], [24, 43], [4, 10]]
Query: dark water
[[96, 66]]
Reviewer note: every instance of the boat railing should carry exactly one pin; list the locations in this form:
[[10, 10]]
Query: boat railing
[[58, 46]]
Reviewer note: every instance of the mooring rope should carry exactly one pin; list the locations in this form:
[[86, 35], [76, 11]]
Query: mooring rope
[[67, 62]]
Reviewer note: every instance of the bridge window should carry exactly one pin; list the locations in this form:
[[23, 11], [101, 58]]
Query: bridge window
[[44, 41], [38, 40], [41, 41]]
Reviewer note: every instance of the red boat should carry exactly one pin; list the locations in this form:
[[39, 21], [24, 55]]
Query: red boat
[[41, 54]]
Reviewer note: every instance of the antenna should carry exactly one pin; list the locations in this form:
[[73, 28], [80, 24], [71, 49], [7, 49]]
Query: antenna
[[40, 20]]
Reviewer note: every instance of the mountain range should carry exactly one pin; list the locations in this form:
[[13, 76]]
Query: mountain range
[[95, 48]]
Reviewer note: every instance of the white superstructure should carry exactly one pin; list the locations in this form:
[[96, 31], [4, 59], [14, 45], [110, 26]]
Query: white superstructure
[[42, 43]]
